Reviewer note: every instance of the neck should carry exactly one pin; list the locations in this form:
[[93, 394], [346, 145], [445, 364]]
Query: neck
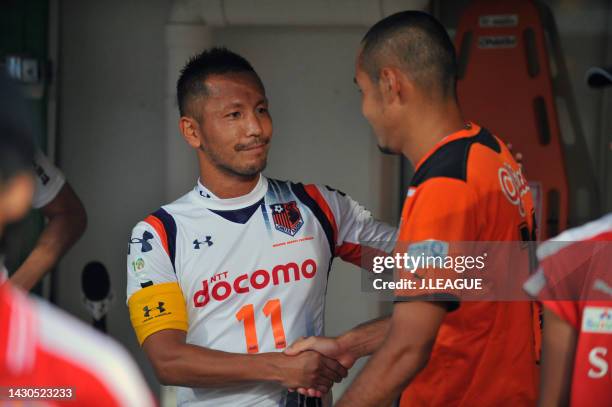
[[435, 123], [224, 184]]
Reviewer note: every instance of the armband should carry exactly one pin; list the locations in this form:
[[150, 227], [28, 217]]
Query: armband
[[157, 307]]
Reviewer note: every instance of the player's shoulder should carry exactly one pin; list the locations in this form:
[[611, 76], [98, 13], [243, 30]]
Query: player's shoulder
[[276, 184], [168, 213], [450, 161], [599, 229], [310, 189]]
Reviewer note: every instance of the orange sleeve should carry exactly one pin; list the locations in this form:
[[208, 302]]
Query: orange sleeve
[[438, 217], [440, 209]]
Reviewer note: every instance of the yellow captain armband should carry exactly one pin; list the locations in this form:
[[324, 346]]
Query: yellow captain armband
[[157, 307]]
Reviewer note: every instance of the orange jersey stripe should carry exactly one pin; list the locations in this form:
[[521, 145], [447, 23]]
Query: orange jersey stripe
[[161, 231], [314, 193]]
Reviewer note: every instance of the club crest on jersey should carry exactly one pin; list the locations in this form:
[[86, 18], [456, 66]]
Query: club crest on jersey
[[287, 217]]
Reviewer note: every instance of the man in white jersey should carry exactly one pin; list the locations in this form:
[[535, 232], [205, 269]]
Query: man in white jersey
[[57, 201], [223, 279], [66, 221], [59, 204]]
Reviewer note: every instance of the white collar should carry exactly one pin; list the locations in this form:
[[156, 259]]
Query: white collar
[[211, 201]]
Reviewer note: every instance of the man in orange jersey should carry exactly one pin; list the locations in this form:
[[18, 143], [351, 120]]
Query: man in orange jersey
[[466, 187]]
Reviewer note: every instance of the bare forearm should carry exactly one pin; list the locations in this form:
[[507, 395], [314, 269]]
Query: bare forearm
[[400, 357], [58, 236], [366, 338], [558, 353], [387, 373], [194, 366]]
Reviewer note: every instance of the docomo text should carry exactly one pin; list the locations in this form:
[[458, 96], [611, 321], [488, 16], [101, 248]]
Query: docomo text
[[220, 288]]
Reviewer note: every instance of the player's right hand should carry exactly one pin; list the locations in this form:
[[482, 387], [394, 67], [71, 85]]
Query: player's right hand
[[327, 346], [310, 370]]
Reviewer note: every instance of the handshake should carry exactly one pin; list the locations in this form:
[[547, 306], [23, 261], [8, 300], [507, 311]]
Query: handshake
[[312, 365]]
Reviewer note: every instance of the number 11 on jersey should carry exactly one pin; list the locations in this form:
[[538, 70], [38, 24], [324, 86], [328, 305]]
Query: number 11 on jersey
[[271, 309]]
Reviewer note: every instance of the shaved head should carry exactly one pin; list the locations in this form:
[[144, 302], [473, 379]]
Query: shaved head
[[417, 44]]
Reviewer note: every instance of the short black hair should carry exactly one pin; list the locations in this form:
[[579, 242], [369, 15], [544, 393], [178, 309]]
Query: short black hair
[[213, 61], [16, 146], [418, 43]]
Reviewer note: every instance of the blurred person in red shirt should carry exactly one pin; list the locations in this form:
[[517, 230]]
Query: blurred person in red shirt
[[47, 356]]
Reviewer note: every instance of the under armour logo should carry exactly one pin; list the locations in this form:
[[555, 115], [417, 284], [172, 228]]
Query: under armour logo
[[197, 243], [44, 178], [145, 245], [204, 194], [160, 307]]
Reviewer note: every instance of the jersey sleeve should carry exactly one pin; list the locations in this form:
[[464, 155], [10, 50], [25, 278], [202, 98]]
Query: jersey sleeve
[[154, 296], [441, 209], [539, 287], [353, 227], [49, 181], [559, 282], [440, 220]]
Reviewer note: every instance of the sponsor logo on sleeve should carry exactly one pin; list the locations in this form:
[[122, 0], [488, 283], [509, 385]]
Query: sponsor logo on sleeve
[[42, 175], [597, 320], [428, 248], [145, 246]]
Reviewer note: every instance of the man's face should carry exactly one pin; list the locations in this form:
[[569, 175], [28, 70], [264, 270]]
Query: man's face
[[372, 107], [235, 124]]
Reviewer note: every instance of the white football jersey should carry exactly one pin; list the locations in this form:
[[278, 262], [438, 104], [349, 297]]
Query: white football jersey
[[253, 270], [49, 181]]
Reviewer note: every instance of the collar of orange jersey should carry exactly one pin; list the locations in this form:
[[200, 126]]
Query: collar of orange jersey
[[470, 129]]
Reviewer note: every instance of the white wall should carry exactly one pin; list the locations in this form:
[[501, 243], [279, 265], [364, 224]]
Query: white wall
[[586, 36], [111, 135]]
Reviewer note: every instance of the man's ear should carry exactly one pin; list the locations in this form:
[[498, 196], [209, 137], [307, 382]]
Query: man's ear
[[16, 197], [395, 85], [389, 85], [190, 129]]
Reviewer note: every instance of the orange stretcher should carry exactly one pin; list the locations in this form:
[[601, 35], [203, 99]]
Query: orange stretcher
[[505, 85]]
